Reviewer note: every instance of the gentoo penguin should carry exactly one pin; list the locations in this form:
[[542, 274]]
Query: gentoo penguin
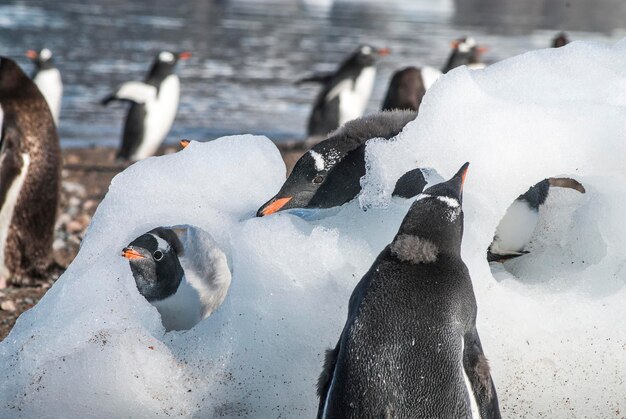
[[48, 78], [30, 177], [185, 283], [408, 86], [516, 228], [409, 347], [153, 109], [328, 175], [560, 40], [345, 92]]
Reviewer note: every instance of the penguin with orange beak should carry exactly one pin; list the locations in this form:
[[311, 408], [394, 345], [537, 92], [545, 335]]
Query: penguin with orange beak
[[329, 174], [48, 79], [154, 104]]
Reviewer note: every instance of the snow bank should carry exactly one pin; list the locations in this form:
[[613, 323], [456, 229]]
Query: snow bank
[[549, 321]]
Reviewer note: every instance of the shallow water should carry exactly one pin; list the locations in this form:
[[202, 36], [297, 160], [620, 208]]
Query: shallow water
[[248, 53]]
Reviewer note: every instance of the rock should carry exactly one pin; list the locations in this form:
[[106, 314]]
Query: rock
[[3, 283], [58, 244], [74, 227], [28, 301], [63, 219], [8, 305], [90, 205], [2, 295], [74, 201]]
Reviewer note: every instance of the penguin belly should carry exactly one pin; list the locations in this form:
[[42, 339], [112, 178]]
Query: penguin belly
[[515, 229], [6, 212], [50, 85], [182, 310], [353, 101], [429, 76]]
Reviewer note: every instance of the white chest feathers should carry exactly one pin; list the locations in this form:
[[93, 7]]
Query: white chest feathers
[[204, 287], [160, 114], [515, 229], [50, 85], [353, 95], [429, 76], [8, 207]]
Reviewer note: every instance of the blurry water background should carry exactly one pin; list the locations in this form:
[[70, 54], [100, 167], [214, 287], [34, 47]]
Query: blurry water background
[[248, 53]]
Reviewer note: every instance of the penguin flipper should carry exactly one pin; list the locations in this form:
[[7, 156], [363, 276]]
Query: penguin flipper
[[132, 91], [322, 78], [476, 367], [11, 160], [326, 377], [498, 257]]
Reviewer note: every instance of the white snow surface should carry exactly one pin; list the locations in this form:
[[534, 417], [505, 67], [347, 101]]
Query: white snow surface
[[550, 321]]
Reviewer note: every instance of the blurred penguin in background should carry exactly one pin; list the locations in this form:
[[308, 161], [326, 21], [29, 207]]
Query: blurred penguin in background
[[560, 40], [30, 178], [408, 86], [48, 79], [345, 92], [154, 104]]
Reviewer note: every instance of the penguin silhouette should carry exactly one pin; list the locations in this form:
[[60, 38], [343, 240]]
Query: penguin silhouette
[[408, 86], [154, 104], [345, 92], [30, 177], [48, 79], [410, 348]]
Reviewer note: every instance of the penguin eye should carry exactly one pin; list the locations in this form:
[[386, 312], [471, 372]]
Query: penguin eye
[[318, 179], [158, 255]]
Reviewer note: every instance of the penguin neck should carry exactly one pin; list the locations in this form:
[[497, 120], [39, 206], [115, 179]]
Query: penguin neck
[[158, 73]]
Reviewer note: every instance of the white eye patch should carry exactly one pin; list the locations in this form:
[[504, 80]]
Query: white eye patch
[[453, 204], [320, 163], [166, 56], [164, 246], [45, 54], [367, 50]]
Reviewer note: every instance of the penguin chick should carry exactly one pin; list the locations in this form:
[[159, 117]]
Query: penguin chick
[[409, 347], [30, 177], [183, 296], [154, 103], [408, 86], [48, 79], [518, 224], [345, 92], [329, 174]]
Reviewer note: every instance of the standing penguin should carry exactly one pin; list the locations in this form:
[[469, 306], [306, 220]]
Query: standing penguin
[[329, 174], [345, 92], [410, 348], [153, 109], [30, 177], [518, 224], [48, 79], [408, 86], [185, 283]]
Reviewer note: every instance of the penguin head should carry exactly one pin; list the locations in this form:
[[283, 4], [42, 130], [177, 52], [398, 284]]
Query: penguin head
[[307, 177], [153, 259], [465, 51], [366, 55], [434, 223], [42, 59], [165, 62], [11, 75]]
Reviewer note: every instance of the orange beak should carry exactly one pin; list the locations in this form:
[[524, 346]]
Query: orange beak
[[464, 175], [454, 44], [185, 55], [129, 253], [482, 49], [383, 51], [276, 205], [32, 54], [184, 143]]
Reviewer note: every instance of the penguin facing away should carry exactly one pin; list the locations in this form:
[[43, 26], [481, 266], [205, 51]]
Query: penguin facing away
[[30, 177], [48, 79], [408, 86], [345, 92], [185, 283], [410, 348], [329, 174], [154, 103], [518, 224]]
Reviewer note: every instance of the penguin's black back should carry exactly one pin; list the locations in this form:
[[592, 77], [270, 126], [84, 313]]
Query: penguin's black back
[[537, 194], [406, 90], [400, 313]]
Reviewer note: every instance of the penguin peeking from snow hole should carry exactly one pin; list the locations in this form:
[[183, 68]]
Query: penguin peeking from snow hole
[[181, 271], [516, 228]]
